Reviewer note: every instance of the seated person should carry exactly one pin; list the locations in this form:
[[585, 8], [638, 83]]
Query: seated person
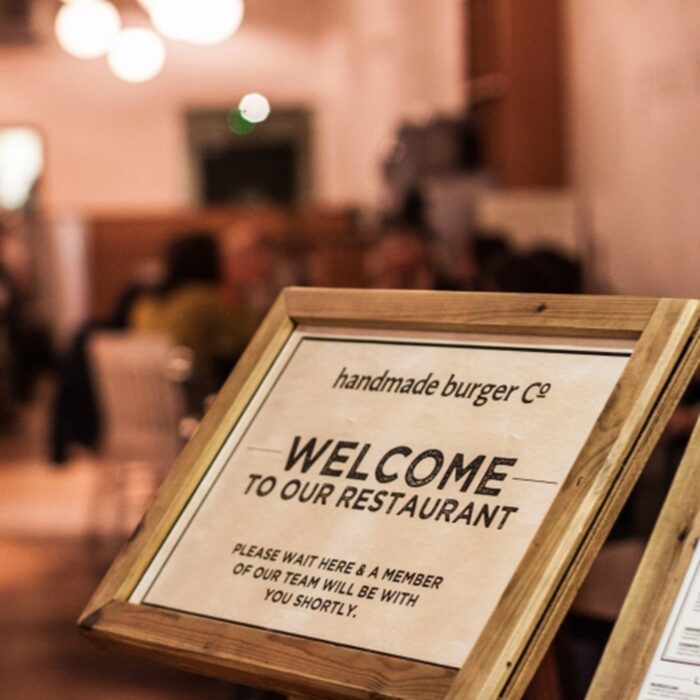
[[189, 309], [401, 258]]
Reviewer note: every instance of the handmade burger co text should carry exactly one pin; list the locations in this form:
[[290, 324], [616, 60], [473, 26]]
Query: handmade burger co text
[[474, 392]]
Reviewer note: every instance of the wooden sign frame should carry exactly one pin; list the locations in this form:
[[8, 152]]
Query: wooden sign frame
[[639, 628], [519, 631]]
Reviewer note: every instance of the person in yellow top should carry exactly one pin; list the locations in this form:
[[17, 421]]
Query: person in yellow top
[[189, 309]]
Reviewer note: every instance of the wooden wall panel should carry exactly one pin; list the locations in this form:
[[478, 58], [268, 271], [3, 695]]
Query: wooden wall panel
[[516, 88], [119, 244]]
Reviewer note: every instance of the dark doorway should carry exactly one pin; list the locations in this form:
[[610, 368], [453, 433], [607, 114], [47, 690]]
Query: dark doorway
[[266, 173], [271, 164]]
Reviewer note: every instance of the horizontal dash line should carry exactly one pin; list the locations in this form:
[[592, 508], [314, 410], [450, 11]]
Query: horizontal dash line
[[265, 449], [535, 481]]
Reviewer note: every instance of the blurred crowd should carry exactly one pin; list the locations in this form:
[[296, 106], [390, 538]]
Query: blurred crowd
[[209, 289], [208, 292]]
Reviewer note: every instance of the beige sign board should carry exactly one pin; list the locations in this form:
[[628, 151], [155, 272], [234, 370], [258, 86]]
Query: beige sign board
[[396, 494], [380, 492]]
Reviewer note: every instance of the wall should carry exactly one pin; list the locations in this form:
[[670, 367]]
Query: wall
[[635, 106], [360, 65]]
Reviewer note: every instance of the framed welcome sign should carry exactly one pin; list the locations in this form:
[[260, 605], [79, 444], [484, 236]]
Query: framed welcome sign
[[397, 493]]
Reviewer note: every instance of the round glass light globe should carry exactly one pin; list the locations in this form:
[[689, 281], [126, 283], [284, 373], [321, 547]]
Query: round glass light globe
[[137, 55], [170, 17], [197, 21], [254, 107], [86, 28]]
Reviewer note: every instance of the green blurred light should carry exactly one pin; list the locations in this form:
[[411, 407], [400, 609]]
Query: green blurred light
[[238, 124]]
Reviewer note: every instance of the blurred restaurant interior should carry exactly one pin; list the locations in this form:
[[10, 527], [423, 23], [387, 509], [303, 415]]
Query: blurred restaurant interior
[[145, 176]]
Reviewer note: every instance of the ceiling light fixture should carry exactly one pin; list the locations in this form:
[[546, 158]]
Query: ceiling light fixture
[[136, 55], [90, 28], [86, 28], [197, 21]]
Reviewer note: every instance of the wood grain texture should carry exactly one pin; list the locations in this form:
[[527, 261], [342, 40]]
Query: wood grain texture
[[475, 312], [258, 657], [508, 652], [560, 555], [521, 126], [649, 602], [631, 466]]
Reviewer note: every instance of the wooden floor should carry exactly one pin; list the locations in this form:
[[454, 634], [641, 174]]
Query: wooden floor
[[44, 584], [49, 566]]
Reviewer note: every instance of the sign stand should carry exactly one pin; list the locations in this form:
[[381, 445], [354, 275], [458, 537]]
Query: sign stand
[[653, 650], [397, 494]]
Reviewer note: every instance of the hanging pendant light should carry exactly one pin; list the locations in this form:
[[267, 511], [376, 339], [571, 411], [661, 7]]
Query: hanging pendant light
[[137, 54], [197, 21], [86, 28], [91, 28]]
